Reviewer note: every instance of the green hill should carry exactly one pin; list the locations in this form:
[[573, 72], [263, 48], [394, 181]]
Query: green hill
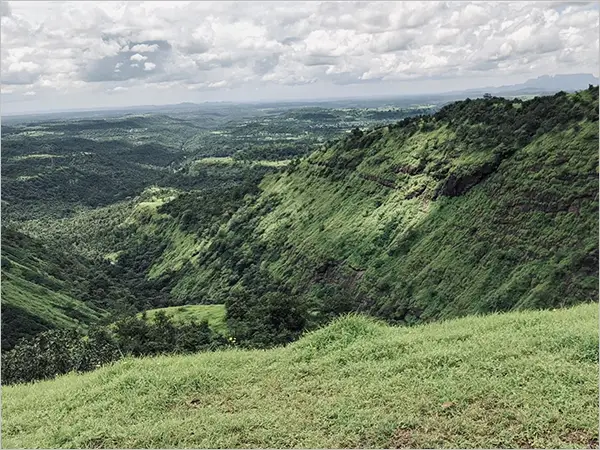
[[516, 380], [488, 205]]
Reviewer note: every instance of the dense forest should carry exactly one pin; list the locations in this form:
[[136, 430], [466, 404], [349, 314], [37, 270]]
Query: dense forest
[[486, 205]]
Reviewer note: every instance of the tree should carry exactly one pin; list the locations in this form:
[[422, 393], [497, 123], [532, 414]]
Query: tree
[[357, 133], [265, 319]]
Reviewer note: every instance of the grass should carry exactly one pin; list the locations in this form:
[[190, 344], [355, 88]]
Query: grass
[[524, 379], [215, 160], [54, 307], [213, 314]]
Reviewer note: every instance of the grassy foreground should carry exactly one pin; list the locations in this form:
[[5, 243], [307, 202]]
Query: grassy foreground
[[526, 379]]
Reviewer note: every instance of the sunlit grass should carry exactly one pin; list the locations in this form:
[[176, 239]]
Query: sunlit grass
[[213, 314], [527, 379]]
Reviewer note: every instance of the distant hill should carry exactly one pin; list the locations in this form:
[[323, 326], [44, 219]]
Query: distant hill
[[541, 85]]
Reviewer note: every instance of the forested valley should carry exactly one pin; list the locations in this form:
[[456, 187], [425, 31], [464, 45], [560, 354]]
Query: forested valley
[[251, 226]]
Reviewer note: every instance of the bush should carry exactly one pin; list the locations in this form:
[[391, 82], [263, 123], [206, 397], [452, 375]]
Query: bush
[[57, 352]]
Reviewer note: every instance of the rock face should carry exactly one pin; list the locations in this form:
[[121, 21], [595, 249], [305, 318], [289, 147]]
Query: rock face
[[456, 185]]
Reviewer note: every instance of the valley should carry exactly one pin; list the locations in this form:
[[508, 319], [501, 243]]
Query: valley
[[428, 243], [126, 199]]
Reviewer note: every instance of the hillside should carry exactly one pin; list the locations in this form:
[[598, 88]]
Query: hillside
[[38, 289], [46, 285], [517, 380], [488, 205]]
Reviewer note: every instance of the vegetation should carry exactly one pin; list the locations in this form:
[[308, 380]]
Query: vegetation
[[42, 290], [479, 208], [46, 287], [487, 205], [57, 352], [214, 315], [517, 380]]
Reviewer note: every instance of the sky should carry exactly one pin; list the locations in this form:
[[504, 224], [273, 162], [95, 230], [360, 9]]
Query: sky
[[59, 55]]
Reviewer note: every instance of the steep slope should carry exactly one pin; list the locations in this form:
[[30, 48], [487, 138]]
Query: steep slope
[[488, 205], [38, 289], [517, 380]]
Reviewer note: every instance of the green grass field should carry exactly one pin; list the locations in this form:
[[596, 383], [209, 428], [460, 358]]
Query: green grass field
[[213, 314], [525, 379]]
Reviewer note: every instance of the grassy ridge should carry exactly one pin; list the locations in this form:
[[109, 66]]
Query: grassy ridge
[[526, 379]]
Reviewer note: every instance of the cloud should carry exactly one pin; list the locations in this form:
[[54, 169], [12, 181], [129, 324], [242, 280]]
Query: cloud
[[218, 84], [5, 9], [138, 57], [144, 48], [29, 93], [90, 46], [20, 72]]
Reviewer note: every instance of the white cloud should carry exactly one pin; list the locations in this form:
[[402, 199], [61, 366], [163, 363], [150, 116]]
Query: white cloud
[[218, 84], [29, 93], [144, 48], [89, 46], [138, 57]]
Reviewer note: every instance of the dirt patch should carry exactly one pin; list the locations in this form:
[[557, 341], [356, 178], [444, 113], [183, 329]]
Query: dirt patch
[[404, 438], [525, 444], [581, 437], [194, 403]]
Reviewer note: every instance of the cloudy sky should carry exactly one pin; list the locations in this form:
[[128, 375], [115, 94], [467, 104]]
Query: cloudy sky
[[61, 55]]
